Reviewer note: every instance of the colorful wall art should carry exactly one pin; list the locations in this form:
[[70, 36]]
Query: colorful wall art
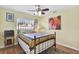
[[55, 23]]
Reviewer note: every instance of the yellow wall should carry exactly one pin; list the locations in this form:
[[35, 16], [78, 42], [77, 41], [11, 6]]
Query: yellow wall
[[4, 25], [69, 33]]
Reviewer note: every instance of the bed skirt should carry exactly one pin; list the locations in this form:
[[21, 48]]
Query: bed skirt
[[39, 48]]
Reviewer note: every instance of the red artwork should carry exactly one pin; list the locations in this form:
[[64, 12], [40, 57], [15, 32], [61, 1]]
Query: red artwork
[[55, 23]]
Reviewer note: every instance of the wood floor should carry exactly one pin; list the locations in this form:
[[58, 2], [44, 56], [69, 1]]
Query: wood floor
[[11, 50], [67, 50], [16, 50]]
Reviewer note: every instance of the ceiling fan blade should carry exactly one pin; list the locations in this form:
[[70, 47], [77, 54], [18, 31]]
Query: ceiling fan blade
[[42, 13], [46, 9]]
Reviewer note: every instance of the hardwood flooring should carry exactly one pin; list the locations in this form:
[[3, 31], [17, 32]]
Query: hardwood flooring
[[11, 50], [66, 49], [17, 50]]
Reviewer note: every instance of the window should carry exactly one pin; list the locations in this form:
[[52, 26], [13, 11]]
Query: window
[[25, 25]]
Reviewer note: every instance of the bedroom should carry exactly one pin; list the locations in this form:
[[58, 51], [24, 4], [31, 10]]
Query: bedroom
[[66, 36]]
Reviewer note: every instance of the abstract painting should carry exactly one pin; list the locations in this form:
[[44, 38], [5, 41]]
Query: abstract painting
[[55, 23]]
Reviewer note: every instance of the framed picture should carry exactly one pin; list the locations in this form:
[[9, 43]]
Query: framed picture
[[9, 17], [55, 23]]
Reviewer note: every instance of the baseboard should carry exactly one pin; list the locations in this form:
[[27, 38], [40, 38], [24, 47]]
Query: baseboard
[[68, 46]]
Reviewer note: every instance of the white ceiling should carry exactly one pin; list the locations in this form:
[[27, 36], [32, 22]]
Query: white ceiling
[[25, 8]]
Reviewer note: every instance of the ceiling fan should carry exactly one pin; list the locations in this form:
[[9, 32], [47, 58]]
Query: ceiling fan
[[39, 11]]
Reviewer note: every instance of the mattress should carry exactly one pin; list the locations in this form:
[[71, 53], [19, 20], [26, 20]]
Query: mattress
[[38, 35]]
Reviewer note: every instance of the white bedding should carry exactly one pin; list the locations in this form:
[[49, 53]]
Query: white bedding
[[24, 46], [39, 48], [31, 35]]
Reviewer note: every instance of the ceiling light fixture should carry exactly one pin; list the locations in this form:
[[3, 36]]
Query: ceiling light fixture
[[37, 13]]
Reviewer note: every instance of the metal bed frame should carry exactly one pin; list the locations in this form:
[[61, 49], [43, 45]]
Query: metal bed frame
[[34, 47]]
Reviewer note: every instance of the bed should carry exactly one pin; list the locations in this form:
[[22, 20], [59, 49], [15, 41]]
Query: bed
[[34, 43]]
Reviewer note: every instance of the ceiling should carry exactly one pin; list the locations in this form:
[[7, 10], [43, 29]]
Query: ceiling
[[25, 8]]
